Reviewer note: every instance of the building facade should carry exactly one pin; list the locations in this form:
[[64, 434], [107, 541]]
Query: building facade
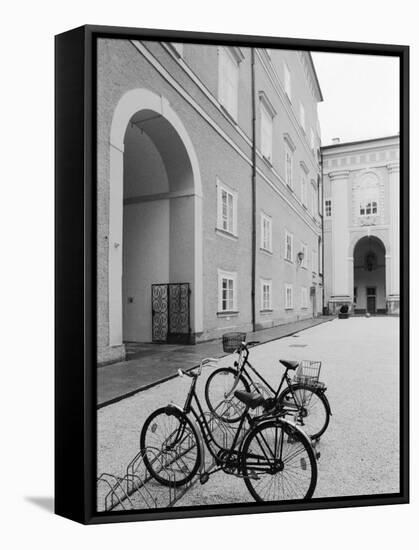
[[361, 225], [209, 199]]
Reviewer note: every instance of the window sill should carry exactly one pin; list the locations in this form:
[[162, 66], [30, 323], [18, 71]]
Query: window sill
[[227, 313], [266, 311], [266, 251], [289, 308], [225, 233], [288, 261]]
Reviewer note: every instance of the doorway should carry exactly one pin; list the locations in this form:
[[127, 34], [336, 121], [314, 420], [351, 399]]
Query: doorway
[[369, 276], [371, 300]]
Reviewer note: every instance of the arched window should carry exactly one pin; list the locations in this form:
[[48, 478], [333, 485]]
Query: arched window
[[367, 195]]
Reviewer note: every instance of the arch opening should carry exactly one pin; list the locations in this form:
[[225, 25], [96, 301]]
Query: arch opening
[[158, 225], [155, 216], [370, 276]]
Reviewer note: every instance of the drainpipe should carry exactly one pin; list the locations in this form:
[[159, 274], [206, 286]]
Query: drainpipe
[[253, 187], [322, 210]]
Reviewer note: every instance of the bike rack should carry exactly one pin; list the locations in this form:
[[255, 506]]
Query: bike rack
[[137, 490]]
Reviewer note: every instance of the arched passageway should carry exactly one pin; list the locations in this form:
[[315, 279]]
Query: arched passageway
[[369, 276], [156, 214]]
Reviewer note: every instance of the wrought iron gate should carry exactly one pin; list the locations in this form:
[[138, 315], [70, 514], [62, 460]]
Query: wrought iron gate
[[170, 306]]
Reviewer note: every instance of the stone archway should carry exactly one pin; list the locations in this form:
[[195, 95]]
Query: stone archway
[[155, 213], [369, 265]]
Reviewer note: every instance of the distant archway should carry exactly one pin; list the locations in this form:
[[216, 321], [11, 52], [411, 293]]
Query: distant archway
[[369, 275], [155, 217]]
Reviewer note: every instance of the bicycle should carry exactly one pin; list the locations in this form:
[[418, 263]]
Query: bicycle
[[273, 456], [303, 397]]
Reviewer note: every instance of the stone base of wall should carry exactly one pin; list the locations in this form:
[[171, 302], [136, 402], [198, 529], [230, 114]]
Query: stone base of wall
[[393, 305], [111, 354]]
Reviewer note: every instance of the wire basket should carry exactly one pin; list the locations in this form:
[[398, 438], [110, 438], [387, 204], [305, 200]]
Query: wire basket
[[308, 373], [232, 341]]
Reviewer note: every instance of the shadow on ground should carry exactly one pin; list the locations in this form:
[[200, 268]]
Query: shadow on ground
[[46, 503]]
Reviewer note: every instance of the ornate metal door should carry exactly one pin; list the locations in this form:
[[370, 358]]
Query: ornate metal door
[[170, 304]]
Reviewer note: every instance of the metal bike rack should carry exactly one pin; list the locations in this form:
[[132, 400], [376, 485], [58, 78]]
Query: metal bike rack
[[137, 490]]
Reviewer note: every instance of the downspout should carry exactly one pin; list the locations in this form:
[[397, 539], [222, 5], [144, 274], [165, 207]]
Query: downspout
[[253, 188], [322, 210]]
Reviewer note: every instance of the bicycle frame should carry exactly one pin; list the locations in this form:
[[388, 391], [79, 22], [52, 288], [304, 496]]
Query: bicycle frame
[[241, 370], [205, 430]]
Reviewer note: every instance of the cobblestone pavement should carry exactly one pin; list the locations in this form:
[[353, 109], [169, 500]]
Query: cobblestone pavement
[[359, 451]]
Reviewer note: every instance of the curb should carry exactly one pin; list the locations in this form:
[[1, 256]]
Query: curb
[[172, 376]]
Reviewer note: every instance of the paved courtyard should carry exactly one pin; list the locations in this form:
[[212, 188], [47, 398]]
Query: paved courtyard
[[359, 451]]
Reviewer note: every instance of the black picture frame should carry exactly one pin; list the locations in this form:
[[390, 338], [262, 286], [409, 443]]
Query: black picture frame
[[75, 271]]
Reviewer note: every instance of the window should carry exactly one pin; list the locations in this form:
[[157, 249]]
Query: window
[[266, 124], [367, 195], [288, 297], [178, 47], [302, 117], [304, 250], [287, 81], [267, 113], [228, 80], [288, 165], [312, 145], [313, 202], [266, 232], [328, 208], [226, 209], [227, 291], [304, 297], [303, 189], [368, 208], [314, 261], [266, 294], [288, 246]]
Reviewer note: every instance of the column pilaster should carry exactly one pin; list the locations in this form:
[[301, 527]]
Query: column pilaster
[[393, 297]]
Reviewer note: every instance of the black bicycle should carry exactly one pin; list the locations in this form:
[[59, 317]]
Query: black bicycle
[[303, 396], [274, 457]]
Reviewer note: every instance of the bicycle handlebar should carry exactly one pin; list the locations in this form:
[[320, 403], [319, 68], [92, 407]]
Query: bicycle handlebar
[[204, 363]]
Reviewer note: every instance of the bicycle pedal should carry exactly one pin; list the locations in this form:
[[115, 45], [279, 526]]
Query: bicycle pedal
[[203, 478]]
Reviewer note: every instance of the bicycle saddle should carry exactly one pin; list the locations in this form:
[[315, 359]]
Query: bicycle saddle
[[289, 364], [251, 400]]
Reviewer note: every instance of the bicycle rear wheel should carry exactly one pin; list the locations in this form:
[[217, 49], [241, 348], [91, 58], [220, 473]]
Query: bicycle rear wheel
[[170, 447], [219, 394], [278, 463], [308, 407]]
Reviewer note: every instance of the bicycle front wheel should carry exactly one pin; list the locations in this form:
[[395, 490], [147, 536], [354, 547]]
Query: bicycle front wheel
[[170, 447], [278, 463], [219, 394], [308, 407]]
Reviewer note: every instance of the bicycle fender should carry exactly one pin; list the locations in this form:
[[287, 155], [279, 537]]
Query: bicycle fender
[[172, 409], [323, 394], [329, 409]]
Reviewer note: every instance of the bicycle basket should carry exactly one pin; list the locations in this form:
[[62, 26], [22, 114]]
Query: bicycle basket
[[308, 373], [232, 340]]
